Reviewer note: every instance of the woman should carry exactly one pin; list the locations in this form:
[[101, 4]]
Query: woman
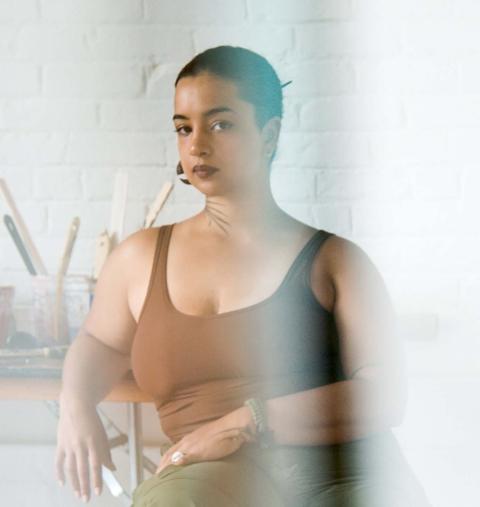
[[247, 326]]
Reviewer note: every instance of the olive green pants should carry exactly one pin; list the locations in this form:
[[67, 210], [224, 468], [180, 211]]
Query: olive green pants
[[364, 473]]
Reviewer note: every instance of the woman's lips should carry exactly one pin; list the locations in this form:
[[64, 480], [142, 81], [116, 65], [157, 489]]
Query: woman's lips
[[204, 170]]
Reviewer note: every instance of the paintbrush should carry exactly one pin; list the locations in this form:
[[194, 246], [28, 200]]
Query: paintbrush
[[12, 229], [157, 204], [119, 203], [64, 262], [103, 247], [22, 229]]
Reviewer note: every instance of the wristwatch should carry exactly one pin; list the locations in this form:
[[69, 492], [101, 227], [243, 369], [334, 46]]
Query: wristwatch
[[264, 435]]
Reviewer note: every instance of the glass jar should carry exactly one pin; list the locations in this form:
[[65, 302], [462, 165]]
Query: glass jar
[[60, 307], [7, 322]]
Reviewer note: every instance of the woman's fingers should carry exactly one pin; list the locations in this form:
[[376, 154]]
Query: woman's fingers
[[82, 469], [59, 463], [97, 460], [167, 457], [71, 468], [163, 462], [96, 468], [82, 449], [83, 474], [202, 445]]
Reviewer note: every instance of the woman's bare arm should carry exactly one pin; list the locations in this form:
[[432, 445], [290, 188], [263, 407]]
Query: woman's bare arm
[[100, 355], [91, 369], [373, 397], [97, 359]]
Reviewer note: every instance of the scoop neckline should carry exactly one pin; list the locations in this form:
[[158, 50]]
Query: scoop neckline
[[229, 313]]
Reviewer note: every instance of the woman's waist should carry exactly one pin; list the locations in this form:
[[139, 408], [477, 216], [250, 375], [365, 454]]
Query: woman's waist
[[190, 407], [224, 390]]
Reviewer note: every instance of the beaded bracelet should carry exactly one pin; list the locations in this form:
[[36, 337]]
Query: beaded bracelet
[[263, 434]]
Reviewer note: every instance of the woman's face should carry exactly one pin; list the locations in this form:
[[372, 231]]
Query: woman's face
[[218, 129]]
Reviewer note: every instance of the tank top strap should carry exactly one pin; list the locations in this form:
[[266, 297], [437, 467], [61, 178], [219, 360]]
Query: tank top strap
[[164, 233], [301, 267], [156, 279]]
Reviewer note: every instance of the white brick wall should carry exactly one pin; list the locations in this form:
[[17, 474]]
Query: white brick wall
[[19, 80], [91, 11], [379, 141], [92, 80]]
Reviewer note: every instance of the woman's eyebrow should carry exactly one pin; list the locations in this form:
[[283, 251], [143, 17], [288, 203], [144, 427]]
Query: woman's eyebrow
[[210, 112]]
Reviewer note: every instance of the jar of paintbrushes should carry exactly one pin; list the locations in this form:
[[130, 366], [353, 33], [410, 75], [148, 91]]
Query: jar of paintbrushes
[[60, 305]]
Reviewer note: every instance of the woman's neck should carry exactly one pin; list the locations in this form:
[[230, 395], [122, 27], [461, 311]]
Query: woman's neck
[[242, 219]]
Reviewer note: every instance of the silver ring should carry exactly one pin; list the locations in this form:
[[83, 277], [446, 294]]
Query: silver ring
[[177, 456]]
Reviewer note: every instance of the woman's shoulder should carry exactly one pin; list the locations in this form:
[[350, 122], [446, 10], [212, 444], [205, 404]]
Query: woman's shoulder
[[337, 258], [136, 242], [138, 248], [336, 250], [339, 252], [342, 262]]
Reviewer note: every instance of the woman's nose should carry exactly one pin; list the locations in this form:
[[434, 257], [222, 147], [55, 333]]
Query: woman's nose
[[199, 145]]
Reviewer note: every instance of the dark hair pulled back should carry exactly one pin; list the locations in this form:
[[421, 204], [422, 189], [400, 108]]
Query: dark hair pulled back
[[256, 80]]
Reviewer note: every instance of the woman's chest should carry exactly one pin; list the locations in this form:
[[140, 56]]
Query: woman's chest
[[205, 281], [205, 285]]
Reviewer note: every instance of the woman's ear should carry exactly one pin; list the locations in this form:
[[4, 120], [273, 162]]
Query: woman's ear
[[270, 134]]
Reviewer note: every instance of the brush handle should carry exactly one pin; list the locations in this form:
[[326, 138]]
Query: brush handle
[[12, 229], [70, 241], [64, 262], [157, 204], [103, 246], [119, 204], [22, 229]]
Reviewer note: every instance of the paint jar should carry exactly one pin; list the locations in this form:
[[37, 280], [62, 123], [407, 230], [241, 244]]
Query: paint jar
[[60, 307], [7, 322]]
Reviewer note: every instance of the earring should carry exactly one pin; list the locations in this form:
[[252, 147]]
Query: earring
[[179, 172]]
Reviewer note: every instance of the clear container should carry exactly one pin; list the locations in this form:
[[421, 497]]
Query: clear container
[[7, 323], [59, 309]]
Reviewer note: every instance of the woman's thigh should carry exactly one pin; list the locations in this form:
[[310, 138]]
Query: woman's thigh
[[347, 475], [348, 494], [361, 493], [234, 481], [367, 473]]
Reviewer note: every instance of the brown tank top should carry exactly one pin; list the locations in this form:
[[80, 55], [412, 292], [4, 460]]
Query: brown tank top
[[199, 368]]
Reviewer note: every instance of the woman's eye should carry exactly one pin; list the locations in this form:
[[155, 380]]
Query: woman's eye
[[222, 125], [182, 130]]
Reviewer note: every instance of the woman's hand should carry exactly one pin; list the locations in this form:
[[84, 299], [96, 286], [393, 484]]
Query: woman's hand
[[213, 441], [82, 446]]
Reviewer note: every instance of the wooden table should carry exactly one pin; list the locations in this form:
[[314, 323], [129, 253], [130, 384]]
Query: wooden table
[[126, 391]]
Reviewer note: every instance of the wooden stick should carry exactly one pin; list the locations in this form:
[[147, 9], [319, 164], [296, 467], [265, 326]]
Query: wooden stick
[[157, 204], [119, 204], [12, 229], [103, 246], [22, 229], [64, 262]]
